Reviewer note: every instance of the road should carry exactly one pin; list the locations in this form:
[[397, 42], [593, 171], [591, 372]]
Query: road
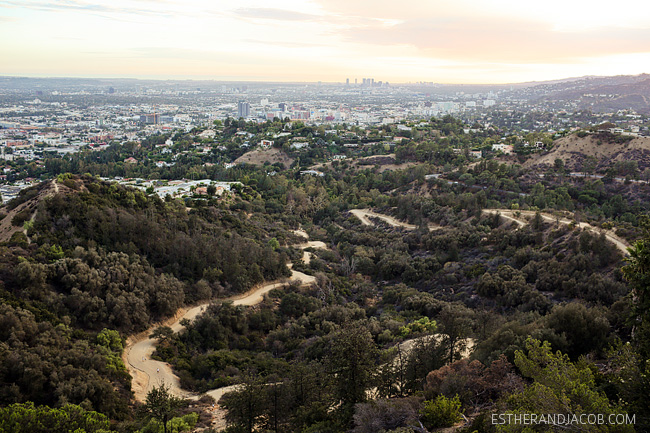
[[600, 176], [364, 214], [148, 373], [516, 216]]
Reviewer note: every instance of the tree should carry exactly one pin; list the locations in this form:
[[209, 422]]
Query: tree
[[162, 405], [162, 333], [385, 415], [637, 272], [246, 403], [585, 329], [352, 361], [589, 165], [474, 383], [634, 367], [441, 412], [559, 387], [455, 322], [27, 418]]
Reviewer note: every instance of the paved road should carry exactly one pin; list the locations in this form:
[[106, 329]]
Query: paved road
[[511, 215], [147, 372]]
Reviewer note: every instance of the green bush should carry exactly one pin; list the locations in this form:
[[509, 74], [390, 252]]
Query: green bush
[[21, 217], [441, 412], [29, 418], [179, 424]]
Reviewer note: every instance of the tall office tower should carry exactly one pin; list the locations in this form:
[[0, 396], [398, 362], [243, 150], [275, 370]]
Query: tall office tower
[[243, 109], [282, 106], [347, 81], [355, 81]]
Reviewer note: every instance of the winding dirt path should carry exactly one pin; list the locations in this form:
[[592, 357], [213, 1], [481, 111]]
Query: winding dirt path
[[148, 373], [511, 215], [364, 214]]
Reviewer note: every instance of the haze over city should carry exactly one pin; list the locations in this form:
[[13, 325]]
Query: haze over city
[[495, 41]]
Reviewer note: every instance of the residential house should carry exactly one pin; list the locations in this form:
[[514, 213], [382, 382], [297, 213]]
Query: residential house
[[502, 147]]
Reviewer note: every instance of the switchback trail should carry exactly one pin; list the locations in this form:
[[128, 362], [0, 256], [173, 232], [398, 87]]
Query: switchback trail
[[517, 217], [147, 372]]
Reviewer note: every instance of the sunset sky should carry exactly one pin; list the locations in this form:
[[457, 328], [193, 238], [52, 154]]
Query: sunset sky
[[464, 41]]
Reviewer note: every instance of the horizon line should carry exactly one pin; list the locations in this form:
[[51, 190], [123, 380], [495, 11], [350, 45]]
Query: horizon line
[[194, 78]]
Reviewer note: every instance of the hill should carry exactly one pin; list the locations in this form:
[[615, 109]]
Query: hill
[[603, 94], [99, 261], [611, 96], [261, 156], [607, 149]]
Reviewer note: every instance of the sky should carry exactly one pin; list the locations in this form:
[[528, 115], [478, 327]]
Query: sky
[[464, 41]]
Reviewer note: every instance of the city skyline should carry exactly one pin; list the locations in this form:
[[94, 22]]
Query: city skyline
[[496, 41]]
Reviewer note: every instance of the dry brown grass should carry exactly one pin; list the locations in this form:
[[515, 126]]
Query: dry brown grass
[[260, 156], [573, 149]]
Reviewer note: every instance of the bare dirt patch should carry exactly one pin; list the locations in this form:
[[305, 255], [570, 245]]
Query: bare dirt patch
[[573, 150], [260, 156]]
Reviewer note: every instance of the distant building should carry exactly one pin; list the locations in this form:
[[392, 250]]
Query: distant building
[[502, 147], [150, 119], [312, 173], [17, 143], [243, 109]]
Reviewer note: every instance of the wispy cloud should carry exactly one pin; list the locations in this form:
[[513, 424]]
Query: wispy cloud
[[78, 5], [274, 14], [166, 53], [286, 44]]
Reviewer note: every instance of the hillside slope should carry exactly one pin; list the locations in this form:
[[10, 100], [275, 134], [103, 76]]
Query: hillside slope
[[99, 261], [573, 150], [260, 156]]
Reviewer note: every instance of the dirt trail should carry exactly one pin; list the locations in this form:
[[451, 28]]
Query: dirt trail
[[7, 229], [364, 214], [148, 373], [517, 216], [407, 346]]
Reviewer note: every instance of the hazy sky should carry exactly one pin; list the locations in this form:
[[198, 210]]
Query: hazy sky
[[468, 41]]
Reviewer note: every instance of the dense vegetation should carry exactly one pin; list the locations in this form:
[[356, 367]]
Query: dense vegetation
[[551, 316], [102, 259]]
